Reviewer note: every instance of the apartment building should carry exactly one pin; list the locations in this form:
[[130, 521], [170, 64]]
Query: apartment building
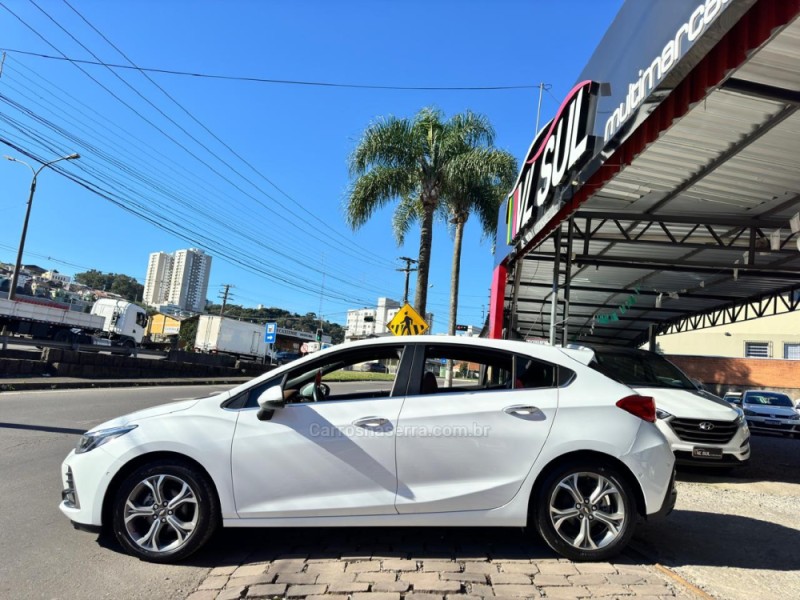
[[179, 279]]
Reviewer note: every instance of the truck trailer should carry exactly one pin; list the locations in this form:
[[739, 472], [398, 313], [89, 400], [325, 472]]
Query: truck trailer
[[111, 322], [228, 336]]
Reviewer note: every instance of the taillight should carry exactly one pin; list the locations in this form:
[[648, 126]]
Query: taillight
[[643, 407]]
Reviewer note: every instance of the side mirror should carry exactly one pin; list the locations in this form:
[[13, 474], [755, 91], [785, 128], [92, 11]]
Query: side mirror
[[269, 401]]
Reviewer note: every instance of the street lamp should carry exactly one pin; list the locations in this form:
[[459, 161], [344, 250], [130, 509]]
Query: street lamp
[[12, 288]]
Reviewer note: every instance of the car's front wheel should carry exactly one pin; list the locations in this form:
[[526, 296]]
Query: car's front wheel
[[586, 511], [164, 511]]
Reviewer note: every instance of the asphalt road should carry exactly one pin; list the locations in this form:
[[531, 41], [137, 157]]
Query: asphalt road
[[43, 557]]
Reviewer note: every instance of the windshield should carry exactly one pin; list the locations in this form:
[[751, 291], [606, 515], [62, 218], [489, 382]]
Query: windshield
[[640, 369], [768, 399]]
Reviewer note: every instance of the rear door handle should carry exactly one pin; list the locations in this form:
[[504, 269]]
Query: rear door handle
[[371, 422], [529, 413]]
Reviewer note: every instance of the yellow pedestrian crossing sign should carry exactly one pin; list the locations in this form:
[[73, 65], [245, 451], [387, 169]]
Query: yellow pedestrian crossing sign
[[407, 322]]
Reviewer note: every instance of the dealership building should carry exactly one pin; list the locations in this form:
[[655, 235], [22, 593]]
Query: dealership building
[[664, 196]]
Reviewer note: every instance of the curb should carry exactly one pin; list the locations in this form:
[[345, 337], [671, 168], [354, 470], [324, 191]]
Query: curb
[[637, 552], [55, 383]]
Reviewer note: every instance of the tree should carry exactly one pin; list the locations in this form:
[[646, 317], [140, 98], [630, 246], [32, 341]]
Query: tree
[[480, 186], [483, 178], [412, 160], [116, 283]]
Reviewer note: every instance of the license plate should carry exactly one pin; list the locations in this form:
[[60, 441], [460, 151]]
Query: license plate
[[772, 422], [707, 452]]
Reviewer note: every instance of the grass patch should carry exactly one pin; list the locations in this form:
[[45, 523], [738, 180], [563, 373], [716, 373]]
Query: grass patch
[[357, 376]]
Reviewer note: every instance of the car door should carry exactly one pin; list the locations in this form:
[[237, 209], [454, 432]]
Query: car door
[[470, 445], [330, 457]]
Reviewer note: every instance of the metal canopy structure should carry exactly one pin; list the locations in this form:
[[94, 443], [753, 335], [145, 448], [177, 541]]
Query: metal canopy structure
[[694, 220]]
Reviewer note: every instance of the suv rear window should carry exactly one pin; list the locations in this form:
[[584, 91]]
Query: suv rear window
[[638, 369]]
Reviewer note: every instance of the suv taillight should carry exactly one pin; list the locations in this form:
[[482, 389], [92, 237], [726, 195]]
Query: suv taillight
[[643, 407]]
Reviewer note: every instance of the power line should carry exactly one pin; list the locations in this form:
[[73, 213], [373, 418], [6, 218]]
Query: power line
[[188, 113], [127, 202], [210, 167], [224, 144], [171, 120], [120, 165], [326, 84], [124, 166]]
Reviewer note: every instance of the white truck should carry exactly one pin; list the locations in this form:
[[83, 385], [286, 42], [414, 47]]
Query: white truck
[[111, 322], [217, 334]]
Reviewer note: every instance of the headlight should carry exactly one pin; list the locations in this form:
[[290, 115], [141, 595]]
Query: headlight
[[94, 439], [794, 417], [749, 412], [662, 414], [740, 416]]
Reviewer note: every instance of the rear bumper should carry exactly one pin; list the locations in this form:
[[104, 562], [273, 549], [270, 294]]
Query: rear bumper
[[669, 500]]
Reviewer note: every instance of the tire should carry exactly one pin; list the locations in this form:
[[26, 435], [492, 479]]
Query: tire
[[580, 530], [62, 336], [128, 346], [186, 519]]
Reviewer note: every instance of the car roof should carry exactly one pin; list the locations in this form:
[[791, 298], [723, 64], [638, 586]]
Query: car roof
[[542, 351]]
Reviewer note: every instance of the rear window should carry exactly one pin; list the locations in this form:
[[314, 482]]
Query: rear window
[[640, 369]]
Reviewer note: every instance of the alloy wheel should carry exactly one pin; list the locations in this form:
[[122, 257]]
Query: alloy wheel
[[587, 510], [161, 513]]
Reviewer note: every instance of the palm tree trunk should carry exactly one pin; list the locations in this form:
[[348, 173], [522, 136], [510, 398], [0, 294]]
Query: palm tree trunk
[[425, 239], [455, 275]]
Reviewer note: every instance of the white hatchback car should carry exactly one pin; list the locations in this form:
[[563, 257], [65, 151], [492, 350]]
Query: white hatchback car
[[537, 439], [702, 428]]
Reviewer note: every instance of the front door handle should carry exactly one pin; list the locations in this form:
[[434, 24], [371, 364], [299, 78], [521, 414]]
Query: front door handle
[[371, 422], [529, 413]]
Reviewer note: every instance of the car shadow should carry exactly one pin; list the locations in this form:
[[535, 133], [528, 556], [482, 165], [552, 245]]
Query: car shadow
[[241, 545], [697, 538], [237, 546]]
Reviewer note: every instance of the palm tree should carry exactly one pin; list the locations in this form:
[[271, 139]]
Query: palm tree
[[483, 180], [411, 160]]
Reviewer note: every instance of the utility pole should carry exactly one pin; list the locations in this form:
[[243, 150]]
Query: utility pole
[[408, 270], [224, 295], [12, 287]]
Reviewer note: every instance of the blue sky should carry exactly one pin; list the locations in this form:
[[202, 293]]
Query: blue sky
[[168, 163]]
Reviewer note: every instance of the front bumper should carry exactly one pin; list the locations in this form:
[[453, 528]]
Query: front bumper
[[776, 425], [732, 453], [85, 478]]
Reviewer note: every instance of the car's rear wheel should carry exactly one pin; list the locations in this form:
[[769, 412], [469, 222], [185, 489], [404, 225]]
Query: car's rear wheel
[[586, 511], [165, 511]]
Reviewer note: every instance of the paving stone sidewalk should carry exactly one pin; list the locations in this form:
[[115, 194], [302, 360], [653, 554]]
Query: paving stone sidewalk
[[515, 568]]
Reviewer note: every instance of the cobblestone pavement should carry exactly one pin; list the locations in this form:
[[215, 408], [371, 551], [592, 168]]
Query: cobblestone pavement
[[419, 564]]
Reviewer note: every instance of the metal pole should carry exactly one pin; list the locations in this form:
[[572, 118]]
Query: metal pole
[[512, 321], [539, 108], [12, 288], [554, 298], [651, 337], [567, 283]]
